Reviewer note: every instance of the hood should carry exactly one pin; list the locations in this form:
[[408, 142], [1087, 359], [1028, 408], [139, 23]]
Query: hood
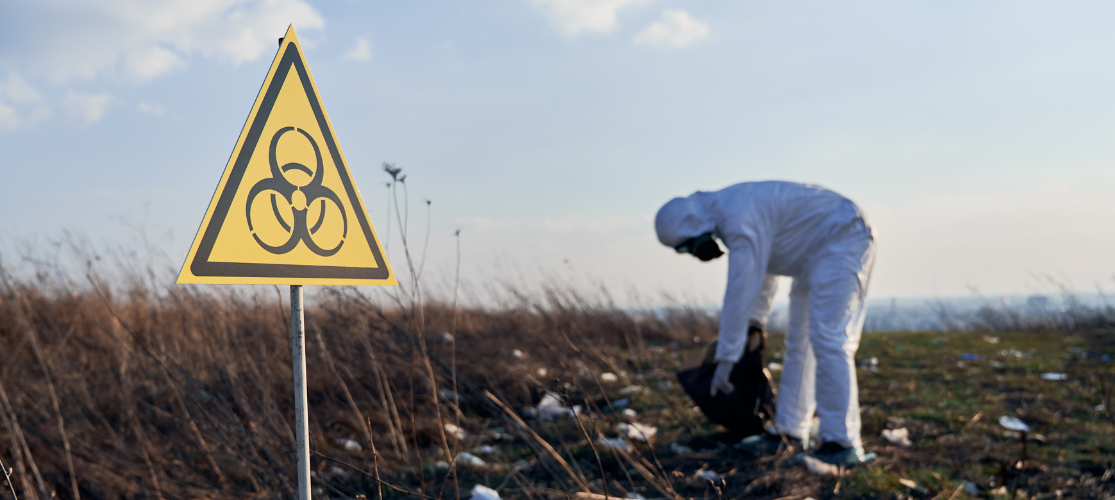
[[681, 219]]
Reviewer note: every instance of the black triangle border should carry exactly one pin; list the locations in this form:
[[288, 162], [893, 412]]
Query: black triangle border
[[202, 266]]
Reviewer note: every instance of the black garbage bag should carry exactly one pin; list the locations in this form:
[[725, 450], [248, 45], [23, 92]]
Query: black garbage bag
[[741, 411]]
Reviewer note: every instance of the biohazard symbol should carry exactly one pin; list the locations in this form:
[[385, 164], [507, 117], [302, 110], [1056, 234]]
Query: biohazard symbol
[[299, 199]]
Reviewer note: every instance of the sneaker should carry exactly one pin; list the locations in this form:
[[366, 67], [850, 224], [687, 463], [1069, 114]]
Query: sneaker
[[767, 443], [836, 454]]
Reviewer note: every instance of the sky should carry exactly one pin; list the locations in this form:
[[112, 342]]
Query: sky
[[979, 137]]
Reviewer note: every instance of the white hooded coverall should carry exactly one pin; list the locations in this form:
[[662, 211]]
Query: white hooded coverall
[[822, 240]]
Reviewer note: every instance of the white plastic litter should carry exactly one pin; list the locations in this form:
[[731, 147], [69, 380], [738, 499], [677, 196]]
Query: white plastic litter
[[970, 488], [609, 377], [709, 475], [913, 485], [481, 492], [1100, 407], [637, 431], [551, 407], [774, 367], [680, 450], [634, 496], [470, 460], [899, 436], [518, 354], [615, 444], [818, 467], [349, 445], [990, 340], [457, 432], [446, 338], [1054, 376], [1013, 424], [542, 372], [632, 389], [629, 413], [484, 449]]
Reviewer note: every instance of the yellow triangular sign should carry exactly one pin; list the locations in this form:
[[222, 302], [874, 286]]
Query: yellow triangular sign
[[287, 210]]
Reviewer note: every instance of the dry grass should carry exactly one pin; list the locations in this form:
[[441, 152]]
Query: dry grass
[[186, 392]]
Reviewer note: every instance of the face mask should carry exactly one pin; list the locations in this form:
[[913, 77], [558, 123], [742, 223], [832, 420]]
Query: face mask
[[704, 247]]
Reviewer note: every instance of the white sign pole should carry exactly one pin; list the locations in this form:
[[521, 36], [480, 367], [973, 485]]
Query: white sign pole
[[301, 424]]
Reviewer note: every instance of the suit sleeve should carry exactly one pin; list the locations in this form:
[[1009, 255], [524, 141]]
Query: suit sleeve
[[747, 280]]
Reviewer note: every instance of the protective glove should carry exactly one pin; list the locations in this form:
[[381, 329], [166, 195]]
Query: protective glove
[[720, 377]]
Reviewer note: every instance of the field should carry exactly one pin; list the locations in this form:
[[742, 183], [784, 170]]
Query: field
[[141, 392]]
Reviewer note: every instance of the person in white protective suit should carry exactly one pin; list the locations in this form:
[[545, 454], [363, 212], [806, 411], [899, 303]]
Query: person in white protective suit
[[823, 242]]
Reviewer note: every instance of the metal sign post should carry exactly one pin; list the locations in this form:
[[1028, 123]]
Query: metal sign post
[[301, 425]]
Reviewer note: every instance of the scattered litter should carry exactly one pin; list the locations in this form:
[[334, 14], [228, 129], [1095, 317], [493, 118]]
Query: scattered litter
[[619, 444], [446, 338], [899, 436], [497, 433], [634, 496], [874, 361], [680, 450], [665, 384], [609, 377], [518, 354], [1106, 358], [1013, 424], [970, 488], [629, 413], [339, 472], [913, 485], [484, 449], [457, 432], [1054, 376], [619, 403], [990, 340], [632, 389], [995, 364], [481, 492], [960, 364], [818, 467], [551, 406], [637, 431], [1016, 353], [466, 458], [972, 357], [774, 367], [441, 465], [349, 445], [541, 372], [1100, 407], [709, 475]]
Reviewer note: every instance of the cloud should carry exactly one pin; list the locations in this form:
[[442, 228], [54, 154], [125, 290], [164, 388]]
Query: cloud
[[139, 40], [362, 51], [674, 29], [20, 104], [152, 109], [573, 17], [86, 107]]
